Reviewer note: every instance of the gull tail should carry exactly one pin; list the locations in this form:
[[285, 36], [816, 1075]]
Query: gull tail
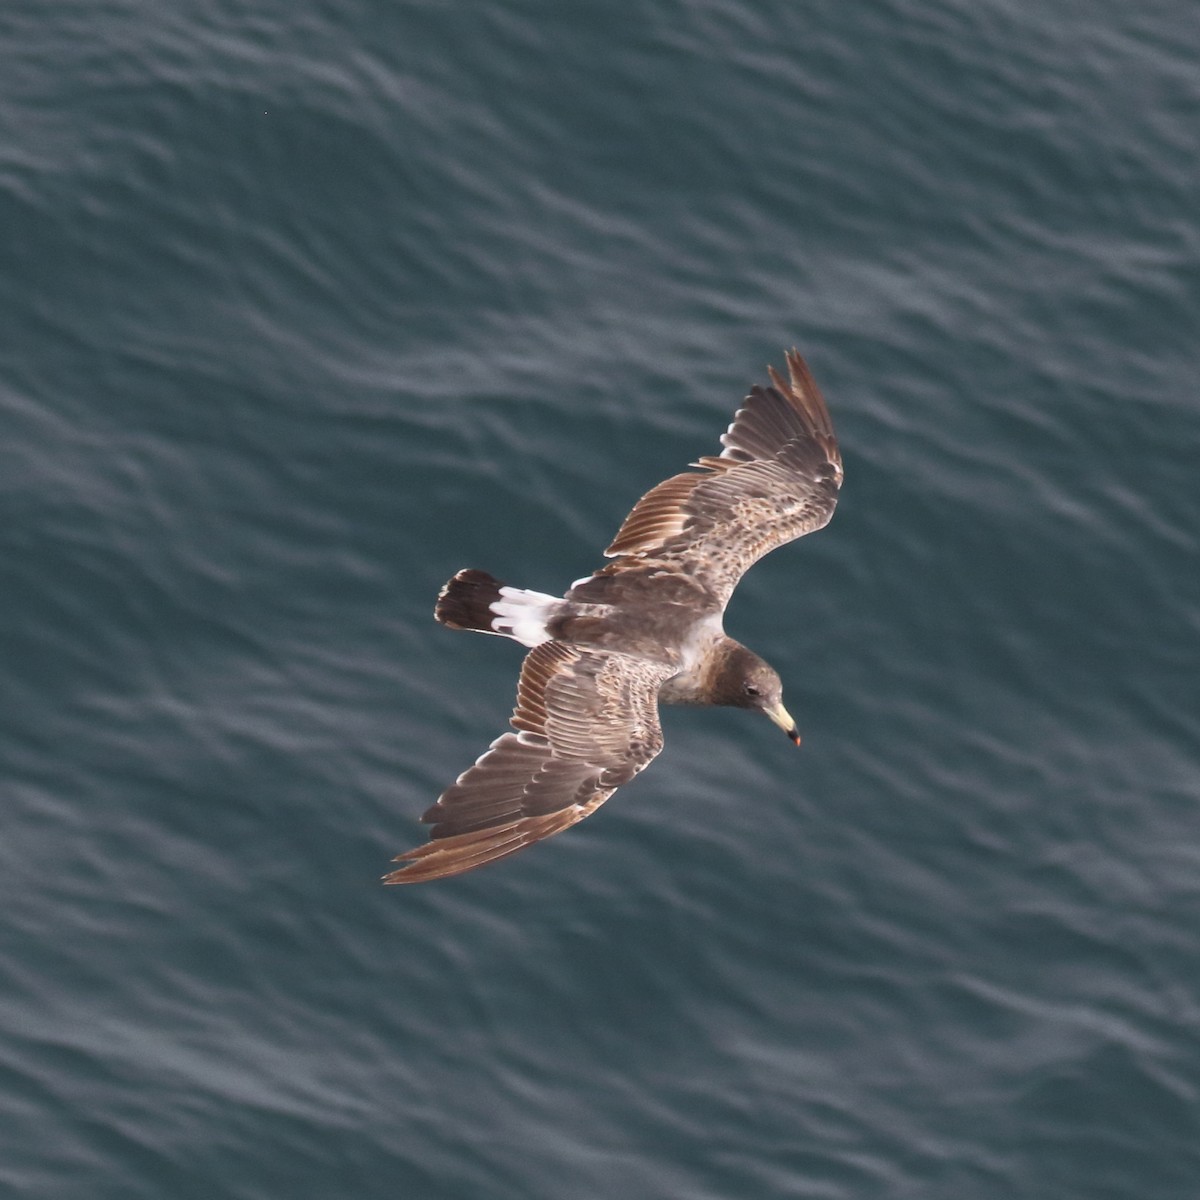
[[474, 599]]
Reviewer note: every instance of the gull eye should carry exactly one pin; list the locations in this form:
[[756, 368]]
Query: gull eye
[[751, 690]]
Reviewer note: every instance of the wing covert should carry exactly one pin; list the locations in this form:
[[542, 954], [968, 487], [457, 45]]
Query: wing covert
[[776, 478], [586, 721]]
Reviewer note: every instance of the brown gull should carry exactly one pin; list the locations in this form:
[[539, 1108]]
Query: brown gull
[[645, 629]]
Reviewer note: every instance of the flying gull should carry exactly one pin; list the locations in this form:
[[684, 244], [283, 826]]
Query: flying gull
[[643, 630]]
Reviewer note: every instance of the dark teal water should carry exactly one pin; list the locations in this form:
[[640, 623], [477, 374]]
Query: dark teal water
[[305, 306]]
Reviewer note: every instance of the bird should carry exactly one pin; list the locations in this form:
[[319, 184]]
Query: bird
[[643, 630]]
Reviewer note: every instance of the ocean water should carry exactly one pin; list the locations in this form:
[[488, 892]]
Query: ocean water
[[307, 305]]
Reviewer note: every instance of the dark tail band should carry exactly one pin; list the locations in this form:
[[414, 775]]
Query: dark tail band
[[465, 602]]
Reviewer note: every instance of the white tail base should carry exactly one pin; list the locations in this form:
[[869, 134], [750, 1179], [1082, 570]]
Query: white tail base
[[522, 615]]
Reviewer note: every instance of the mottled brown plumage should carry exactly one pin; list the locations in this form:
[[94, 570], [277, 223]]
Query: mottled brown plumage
[[643, 630]]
